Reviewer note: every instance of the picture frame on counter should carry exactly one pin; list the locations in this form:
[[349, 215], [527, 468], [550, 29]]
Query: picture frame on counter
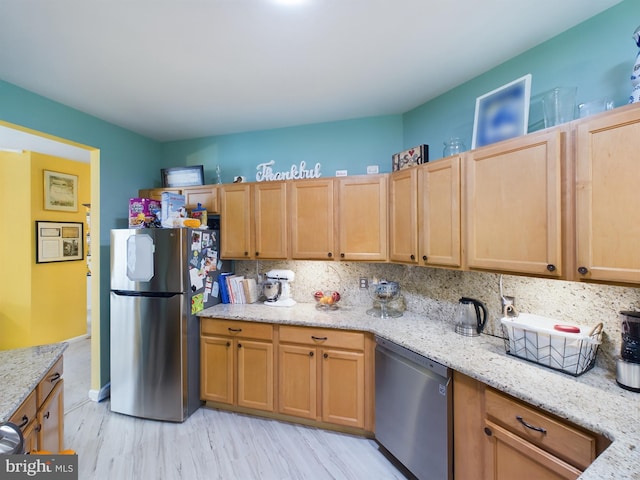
[[502, 113], [410, 157], [59, 241], [183, 176], [60, 191]]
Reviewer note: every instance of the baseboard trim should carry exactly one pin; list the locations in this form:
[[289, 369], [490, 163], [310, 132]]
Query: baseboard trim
[[99, 395], [86, 336]]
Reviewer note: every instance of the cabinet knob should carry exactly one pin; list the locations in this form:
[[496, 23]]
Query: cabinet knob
[[329, 254], [413, 257], [424, 258], [342, 255], [246, 254], [583, 270], [311, 354], [228, 344], [326, 355], [239, 345], [487, 431], [551, 267], [257, 254]]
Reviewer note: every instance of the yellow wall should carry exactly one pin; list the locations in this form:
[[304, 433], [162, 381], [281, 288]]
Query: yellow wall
[[47, 302]]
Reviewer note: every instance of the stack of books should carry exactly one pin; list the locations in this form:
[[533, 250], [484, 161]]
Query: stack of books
[[237, 289]]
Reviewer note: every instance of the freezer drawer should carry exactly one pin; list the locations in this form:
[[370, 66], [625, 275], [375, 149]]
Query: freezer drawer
[[149, 356]]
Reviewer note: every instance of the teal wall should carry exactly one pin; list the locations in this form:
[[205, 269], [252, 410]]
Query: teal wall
[[126, 160], [596, 56], [348, 145]]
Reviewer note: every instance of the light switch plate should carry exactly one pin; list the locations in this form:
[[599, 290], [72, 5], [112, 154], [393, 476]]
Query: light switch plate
[[341, 173], [372, 169]]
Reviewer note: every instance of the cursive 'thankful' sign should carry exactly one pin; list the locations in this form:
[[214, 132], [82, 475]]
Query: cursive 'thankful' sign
[[296, 172]]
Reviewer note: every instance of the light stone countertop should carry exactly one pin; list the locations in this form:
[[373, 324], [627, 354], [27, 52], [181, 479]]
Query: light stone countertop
[[20, 372], [592, 400]]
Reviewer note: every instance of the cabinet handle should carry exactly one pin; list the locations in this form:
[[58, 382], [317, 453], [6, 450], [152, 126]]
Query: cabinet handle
[[583, 270], [413, 257], [24, 421], [319, 339], [246, 254], [55, 377], [235, 330], [487, 431], [311, 354], [329, 254], [551, 267], [38, 427], [529, 426], [342, 255], [257, 254], [326, 355], [47, 415], [424, 257], [239, 345], [228, 344]]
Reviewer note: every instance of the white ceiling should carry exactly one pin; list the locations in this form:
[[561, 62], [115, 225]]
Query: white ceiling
[[178, 69]]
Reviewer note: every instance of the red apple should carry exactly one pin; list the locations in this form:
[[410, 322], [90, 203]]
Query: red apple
[[335, 296], [318, 295]]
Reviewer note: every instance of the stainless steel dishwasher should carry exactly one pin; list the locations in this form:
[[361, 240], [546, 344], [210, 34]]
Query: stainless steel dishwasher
[[413, 410]]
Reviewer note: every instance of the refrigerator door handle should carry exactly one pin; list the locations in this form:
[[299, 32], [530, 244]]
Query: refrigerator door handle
[[131, 293]]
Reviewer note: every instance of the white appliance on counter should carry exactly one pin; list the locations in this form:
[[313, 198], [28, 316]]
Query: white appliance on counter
[[276, 288]]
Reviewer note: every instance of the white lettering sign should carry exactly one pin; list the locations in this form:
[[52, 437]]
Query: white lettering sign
[[296, 172]]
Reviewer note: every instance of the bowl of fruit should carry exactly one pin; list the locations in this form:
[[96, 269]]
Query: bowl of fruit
[[326, 300]]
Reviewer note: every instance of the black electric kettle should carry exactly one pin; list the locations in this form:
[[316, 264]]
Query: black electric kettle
[[471, 317]]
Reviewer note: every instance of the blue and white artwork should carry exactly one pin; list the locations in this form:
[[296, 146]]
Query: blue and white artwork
[[502, 113]]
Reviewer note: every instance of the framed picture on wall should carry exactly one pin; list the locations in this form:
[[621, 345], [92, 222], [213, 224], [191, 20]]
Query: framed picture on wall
[[60, 191], [183, 176], [59, 241], [502, 113]]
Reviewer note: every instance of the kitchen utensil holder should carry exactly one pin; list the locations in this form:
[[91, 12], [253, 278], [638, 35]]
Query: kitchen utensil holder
[[572, 355]]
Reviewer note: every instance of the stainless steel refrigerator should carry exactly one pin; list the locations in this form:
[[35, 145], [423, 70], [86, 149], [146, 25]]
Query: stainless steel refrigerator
[[160, 279]]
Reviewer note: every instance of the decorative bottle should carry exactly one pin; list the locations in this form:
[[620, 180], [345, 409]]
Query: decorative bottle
[[453, 146]]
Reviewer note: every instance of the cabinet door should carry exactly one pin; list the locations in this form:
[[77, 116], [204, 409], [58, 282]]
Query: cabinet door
[[216, 369], [270, 217], [512, 457], [236, 221], [362, 217], [255, 374], [608, 197], [343, 387], [439, 212], [403, 216], [297, 387], [311, 217], [206, 195], [513, 206], [51, 419]]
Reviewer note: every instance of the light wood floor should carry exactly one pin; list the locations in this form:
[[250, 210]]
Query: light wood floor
[[211, 444]]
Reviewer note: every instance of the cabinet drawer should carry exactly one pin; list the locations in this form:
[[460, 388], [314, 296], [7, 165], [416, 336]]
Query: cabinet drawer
[[567, 442], [324, 337], [53, 376], [26, 413], [262, 331]]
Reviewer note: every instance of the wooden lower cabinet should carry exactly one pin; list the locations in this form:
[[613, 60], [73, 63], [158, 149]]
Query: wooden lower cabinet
[[498, 437], [51, 419], [343, 388], [237, 368]]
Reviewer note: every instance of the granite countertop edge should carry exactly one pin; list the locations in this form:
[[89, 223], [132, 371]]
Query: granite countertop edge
[[21, 370], [593, 400]]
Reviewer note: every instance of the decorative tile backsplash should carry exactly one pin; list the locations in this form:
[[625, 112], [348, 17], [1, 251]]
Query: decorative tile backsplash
[[435, 293]]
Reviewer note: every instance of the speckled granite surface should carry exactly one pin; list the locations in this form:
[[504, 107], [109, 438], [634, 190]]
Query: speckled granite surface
[[20, 372], [592, 400]]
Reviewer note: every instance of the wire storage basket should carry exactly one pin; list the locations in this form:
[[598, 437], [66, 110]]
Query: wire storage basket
[[549, 343]]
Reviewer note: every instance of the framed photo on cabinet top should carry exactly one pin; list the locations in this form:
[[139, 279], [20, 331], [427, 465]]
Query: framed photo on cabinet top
[[60, 191], [502, 113], [59, 241]]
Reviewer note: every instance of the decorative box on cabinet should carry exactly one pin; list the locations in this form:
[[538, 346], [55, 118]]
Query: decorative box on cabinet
[[237, 363], [513, 205], [608, 197]]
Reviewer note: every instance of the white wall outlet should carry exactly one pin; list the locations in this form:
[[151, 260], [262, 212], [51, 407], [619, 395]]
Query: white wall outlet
[[364, 282], [341, 173], [372, 169]]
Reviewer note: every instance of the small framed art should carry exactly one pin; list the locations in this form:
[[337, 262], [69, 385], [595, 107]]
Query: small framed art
[[410, 158], [59, 241], [60, 191], [502, 113], [183, 176]]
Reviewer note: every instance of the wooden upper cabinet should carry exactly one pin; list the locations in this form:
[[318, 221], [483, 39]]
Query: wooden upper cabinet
[[236, 221], [362, 217], [271, 222], [311, 219], [403, 216], [513, 205], [608, 197], [206, 195], [439, 213], [156, 193]]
